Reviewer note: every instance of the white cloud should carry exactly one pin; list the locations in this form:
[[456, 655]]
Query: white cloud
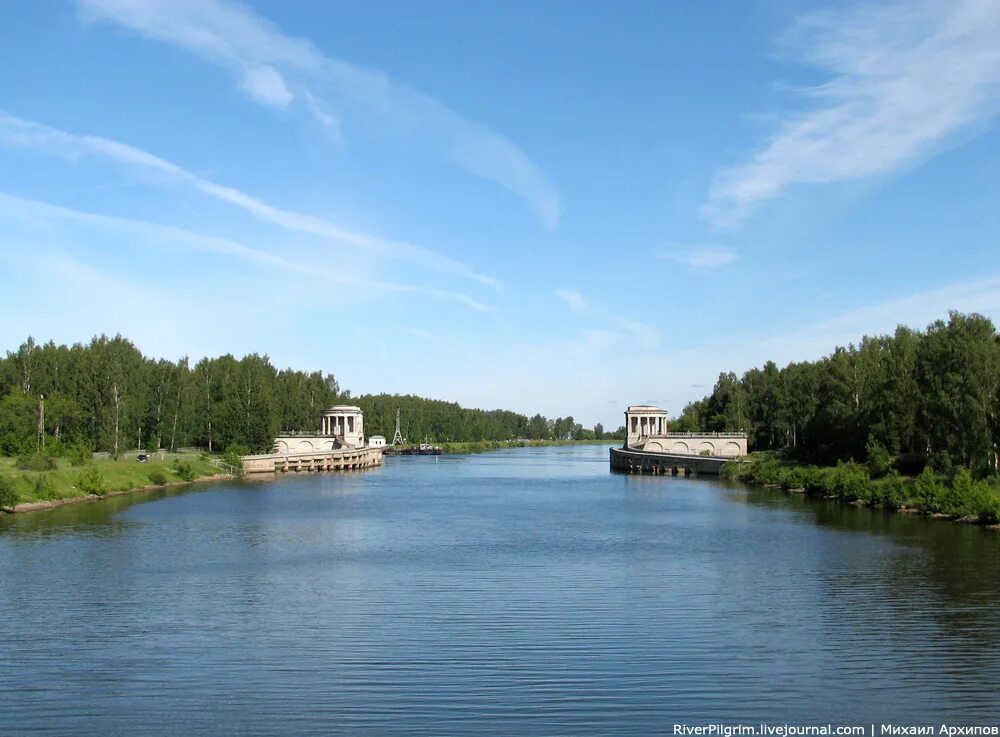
[[43, 216], [265, 85], [329, 122], [701, 258], [232, 35], [642, 333], [27, 134], [904, 78], [420, 333], [573, 299]]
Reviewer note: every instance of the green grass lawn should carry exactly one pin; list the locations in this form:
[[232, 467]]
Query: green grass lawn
[[105, 475]]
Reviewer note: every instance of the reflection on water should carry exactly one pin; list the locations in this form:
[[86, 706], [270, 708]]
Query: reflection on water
[[518, 592]]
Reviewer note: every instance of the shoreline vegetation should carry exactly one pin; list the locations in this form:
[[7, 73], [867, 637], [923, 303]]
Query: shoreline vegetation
[[920, 408], [954, 496], [33, 483]]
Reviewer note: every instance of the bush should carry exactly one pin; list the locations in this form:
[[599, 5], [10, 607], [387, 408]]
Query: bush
[[184, 471], [766, 471], [8, 494], [879, 460], [929, 490], [892, 491], [986, 503], [157, 477], [79, 454], [36, 462], [794, 478], [958, 496], [732, 470], [234, 455], [44, 488], [91, 481], [850, 481]]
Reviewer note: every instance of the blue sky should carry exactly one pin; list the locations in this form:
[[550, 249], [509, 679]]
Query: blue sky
[[561, 207]]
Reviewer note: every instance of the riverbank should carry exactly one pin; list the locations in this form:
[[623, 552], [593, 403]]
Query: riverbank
[[56, 482], [484, 446], [956, 496]]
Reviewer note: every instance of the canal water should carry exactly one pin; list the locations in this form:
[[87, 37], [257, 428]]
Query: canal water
[[519, 592]]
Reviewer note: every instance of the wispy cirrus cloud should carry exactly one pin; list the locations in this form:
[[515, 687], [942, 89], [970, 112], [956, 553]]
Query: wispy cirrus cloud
[[647, 336], [45, 217], [701, 258], [573, 299], [20, 133], [276, 69], [903, 79]]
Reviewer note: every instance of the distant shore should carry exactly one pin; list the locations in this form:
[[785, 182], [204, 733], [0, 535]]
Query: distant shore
[[484, 446]]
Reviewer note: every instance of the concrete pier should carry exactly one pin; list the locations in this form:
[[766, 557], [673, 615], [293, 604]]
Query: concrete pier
[[627, 460], [651, 448], [347, 459]]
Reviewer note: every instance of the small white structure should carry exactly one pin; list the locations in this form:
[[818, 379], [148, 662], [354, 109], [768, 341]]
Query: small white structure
[[341, 427], [346, 423], [376, 441], [646, 430], [643, 421]]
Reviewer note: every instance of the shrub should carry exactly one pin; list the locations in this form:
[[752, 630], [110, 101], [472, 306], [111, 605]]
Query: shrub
[[12, 444], [958, 496], [794, 478], [892, 491], [766, 471], [36, 462], [736, 471], [879, 460], [850, 481], [8, 493], [234, 455], [929, 490], [158, 477], [91, 481], [184, 471], [986, 503], [79, 454], [44, 489]]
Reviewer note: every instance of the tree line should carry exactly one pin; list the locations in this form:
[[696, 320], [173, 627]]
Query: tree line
[[925, 397], [106, 395], [437, 420]]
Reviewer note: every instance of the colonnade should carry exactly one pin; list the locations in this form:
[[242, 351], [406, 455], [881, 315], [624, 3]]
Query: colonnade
[[339, 424]]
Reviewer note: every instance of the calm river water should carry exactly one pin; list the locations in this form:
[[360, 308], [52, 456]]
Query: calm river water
[[511, 593]]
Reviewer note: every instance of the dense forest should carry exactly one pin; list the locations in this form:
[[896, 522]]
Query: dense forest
[[929, 396], [107, 396]]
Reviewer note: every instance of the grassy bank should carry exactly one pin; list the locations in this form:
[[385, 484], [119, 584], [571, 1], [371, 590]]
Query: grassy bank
[[954, 495], [482, 446], [42, 479]]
